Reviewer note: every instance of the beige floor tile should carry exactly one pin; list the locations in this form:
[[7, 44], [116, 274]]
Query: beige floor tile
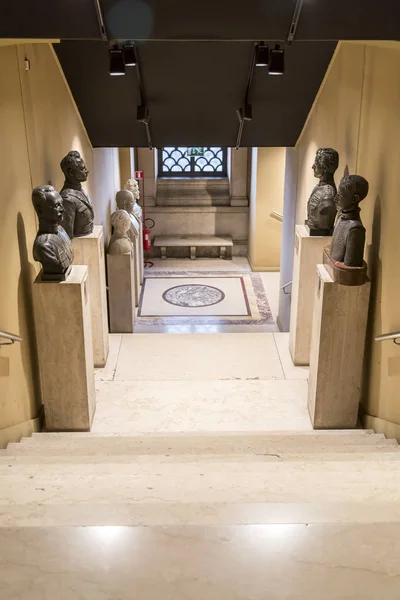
[[107, 373], [290, 370], [278, 562], [149, 357], [238, 263], [169, 406]]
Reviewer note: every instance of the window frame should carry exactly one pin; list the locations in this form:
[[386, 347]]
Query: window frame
[[192, 174]]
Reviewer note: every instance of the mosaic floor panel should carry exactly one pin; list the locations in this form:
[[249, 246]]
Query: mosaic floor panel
[[207, 297]]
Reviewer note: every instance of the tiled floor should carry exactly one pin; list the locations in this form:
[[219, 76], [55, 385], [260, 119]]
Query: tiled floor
[[223, 382], [250, 306], [278, 562]]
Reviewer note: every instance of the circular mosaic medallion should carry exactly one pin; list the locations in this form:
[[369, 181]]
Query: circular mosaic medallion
[[193, 295]]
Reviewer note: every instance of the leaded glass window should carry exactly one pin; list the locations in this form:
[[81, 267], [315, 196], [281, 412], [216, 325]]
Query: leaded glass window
[[179, 161]]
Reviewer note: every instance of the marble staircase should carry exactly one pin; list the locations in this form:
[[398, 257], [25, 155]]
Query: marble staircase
[[198, 478], [179, 493]]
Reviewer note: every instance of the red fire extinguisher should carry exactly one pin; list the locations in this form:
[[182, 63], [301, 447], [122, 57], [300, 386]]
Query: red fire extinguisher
[[147, 235], [147, 223]]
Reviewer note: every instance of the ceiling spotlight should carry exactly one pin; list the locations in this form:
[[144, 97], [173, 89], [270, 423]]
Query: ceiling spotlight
[[117, 65], [129, 55], [277, 61], [262, 55]]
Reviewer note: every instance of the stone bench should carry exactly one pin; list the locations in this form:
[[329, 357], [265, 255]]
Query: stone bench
[[193, 241]]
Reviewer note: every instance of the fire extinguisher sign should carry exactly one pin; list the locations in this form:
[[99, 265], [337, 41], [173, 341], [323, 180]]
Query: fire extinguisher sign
[[138, 174]]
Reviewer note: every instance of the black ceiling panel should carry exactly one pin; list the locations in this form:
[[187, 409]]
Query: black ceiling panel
[[198, 19], [202, 19], [193, 92], [54, 19], [281, 103], [107, 104], [350, 20]]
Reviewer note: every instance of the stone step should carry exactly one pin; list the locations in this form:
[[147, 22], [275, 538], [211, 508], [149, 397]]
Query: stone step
[[327, 454], [195, 444], [315, 433], [215, 481], [150, 514]]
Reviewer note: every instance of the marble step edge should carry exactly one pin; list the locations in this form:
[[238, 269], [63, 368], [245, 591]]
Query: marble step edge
[[321, 432], [197, 513], [125, 448], [369, 454], [206, 439]]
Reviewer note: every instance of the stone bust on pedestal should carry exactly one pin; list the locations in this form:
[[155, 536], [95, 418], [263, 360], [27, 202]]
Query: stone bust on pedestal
[[321, 208], [120, 242], [79, 216], [133, 186], [126, 201], [348, 239], [52, 246]]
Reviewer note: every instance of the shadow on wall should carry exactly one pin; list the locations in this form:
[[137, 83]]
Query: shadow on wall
[[25, 314], [375, 313]]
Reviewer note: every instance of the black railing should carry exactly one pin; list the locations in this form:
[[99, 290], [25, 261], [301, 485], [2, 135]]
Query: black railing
[[175, 161]]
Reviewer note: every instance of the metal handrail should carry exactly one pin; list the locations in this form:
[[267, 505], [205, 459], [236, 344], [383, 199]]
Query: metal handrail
[[283, 287], [277, 215], [11, 337], [395, 336]]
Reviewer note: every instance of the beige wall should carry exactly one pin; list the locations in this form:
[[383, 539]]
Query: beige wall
[[357, 112], [266, 195], [39, 124], [124, 165]]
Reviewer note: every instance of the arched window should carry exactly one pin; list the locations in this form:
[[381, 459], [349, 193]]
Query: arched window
[[178, 161]]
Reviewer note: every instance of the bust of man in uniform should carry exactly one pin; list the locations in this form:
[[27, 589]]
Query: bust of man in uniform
[[78, 215], [321, 208], [120, 242], [133, 186], [349, 236], [52, 246], [126, 201]]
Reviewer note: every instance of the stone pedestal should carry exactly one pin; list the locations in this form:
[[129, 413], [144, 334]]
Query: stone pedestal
[[136, 265], [89, 251], [121, 292], [308, 253], [141, 253], [65, 350], [337, 351]]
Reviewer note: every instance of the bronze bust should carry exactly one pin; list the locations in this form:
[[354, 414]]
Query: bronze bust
[[349, 236], [52, 246], [321, 208], [78, 215]]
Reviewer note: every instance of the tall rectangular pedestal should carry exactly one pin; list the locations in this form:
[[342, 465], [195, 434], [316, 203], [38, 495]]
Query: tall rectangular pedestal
[[64, 341], [136, 266], [89, 251], [308, 253], [337, 352], [141, 254], [121, 292]]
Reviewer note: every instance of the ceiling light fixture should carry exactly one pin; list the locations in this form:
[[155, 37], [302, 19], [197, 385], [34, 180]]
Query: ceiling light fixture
[[117, 65], [277, 61], [129, 55], [262, 55]]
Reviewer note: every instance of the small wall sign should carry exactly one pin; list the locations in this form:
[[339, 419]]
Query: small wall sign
[[138, 174], [195, 151]]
